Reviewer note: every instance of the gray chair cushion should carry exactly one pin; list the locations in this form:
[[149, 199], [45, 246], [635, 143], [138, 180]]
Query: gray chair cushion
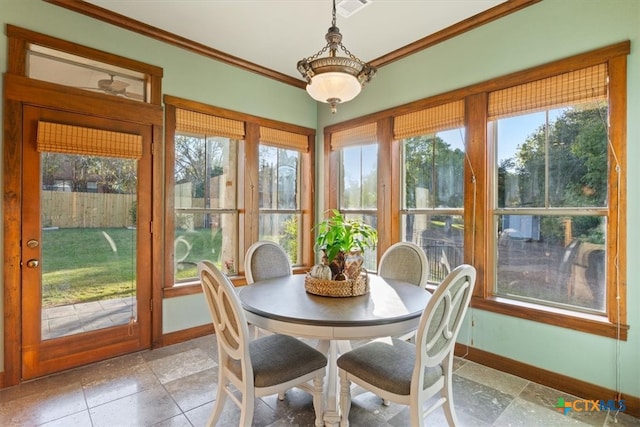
[[387, 365], [280, 358]]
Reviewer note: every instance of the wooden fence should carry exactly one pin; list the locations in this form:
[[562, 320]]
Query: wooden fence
[[87, 210]]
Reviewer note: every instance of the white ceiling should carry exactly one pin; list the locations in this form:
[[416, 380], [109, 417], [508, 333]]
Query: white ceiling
[[276, 34]]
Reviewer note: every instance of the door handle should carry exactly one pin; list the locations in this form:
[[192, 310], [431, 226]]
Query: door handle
[[32, 263]]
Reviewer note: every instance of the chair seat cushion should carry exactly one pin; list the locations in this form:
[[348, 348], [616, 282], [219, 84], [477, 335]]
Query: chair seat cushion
[[280, 358], [387, 364]]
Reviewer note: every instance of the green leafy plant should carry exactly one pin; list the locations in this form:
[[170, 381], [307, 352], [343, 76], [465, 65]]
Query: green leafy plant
[[339, 235]]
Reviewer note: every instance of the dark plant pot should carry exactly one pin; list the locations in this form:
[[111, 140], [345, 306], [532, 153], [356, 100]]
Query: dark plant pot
[[336, 265], [344, 266], [353, 264]]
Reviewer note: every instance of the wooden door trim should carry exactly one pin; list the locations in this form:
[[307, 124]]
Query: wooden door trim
[[12, 204]]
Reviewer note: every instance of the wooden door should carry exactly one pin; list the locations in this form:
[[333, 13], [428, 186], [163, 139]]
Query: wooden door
[[86, 240]]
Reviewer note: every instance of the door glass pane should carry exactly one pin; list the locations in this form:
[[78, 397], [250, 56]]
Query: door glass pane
[[88, 243]]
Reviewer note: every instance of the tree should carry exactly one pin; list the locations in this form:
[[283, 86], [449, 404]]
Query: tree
[[574, 150], [197, 159]]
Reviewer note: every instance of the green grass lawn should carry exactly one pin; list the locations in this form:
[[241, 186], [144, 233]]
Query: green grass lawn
[[87, 264], [201, 243]]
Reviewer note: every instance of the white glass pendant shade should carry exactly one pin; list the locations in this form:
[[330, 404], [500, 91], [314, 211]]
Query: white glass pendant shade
[[327, 87]]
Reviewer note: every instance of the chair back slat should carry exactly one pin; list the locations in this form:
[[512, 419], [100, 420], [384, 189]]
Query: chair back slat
[[226, 311], [443, 316]]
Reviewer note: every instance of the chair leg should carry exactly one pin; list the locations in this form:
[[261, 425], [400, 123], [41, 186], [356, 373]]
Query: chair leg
[[246, 410], [345, 399], [318, 399], [218, 405], [449, 410]]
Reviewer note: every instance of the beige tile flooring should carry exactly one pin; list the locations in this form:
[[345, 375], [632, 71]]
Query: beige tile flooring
[[175, 386]]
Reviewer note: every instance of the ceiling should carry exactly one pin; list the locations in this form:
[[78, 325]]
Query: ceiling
[[276, 34]]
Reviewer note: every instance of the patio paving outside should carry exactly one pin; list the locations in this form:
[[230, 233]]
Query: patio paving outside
[[88, 316]]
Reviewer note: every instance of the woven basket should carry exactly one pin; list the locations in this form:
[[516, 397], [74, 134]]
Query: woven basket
[[338, 288]]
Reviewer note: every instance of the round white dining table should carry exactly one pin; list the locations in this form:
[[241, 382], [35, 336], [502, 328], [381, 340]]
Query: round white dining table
[[282, 305]]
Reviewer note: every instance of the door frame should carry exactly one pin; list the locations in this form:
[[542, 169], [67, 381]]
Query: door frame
[[41, 357], [20, 91]]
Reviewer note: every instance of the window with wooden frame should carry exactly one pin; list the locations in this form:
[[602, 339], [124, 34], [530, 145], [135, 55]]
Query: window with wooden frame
[[233, 179], [356, 169], [542, 164], [205, 193], [279, 198], [551, 201], [432, 145]]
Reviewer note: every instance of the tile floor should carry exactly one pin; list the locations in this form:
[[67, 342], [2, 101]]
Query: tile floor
[[175, 386]]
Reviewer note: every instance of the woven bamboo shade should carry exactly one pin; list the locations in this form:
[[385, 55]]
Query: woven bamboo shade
[[579, 86], [283, 139], [205, 124], [430, 120], [365, 134], [68, 139]]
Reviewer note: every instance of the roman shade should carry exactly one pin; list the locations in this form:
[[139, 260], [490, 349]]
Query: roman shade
[[429, 120], [69, 139], [284, 139], [361, 135], [575, 87], [205, 124]]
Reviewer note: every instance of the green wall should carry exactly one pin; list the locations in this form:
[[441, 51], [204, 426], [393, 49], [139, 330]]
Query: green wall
[[544, 32], [186, 75], [547, 31]]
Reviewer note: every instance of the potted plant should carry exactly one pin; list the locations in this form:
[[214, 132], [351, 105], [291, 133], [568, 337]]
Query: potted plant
[[341, 238]]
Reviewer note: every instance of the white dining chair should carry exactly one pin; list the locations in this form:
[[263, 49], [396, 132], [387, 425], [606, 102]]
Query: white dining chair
[[265, 260], [405, 261], [411, 374], [265, 366]]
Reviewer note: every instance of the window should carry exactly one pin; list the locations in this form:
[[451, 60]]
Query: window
[[76, 71], [279, 168], [357, 154], [523, 176], [551, 205], [205, 193], [432, 145], [233, 179]]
